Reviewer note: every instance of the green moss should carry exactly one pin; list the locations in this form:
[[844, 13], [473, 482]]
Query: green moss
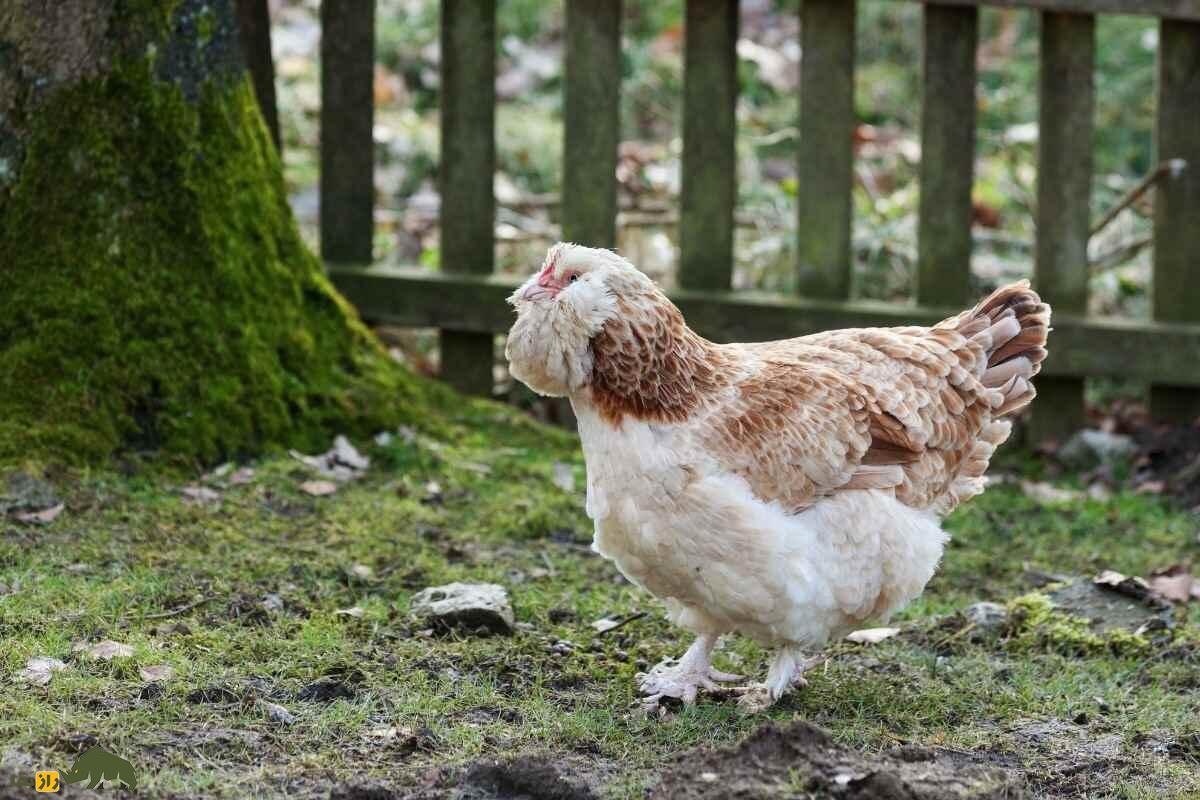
[[161, 297], [1038, 625]]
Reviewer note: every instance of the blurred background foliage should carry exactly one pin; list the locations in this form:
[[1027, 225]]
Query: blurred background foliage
[[887, 139]]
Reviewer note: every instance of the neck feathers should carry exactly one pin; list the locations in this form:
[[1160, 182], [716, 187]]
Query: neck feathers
[[649, 365]]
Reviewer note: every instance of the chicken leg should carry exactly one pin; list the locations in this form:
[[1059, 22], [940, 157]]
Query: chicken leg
[[682, 679], [787, 671]]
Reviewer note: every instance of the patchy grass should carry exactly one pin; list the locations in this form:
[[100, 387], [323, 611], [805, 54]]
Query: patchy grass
[[375, 697]]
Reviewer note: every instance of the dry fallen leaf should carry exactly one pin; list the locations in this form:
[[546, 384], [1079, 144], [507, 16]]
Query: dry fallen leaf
[[43, 517], [353, 611], [872, 635], [243, 475], [1150, 487], [39, 669], [1110, 577], [199, 495], [362, 572], [318, 488], [157, 673], [390, 732], [1174, 583], [108, 650], [605, 624], [1047, 493], [1131, 586]]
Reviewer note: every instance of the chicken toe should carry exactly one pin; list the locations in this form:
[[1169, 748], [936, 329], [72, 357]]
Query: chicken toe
[[682, 679]]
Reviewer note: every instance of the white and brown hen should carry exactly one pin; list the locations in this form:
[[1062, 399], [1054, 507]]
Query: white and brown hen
[[786, 490]]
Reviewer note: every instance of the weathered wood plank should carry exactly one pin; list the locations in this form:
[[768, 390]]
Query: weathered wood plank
[[347, 216], [709, 169], [1065, 122], [947, 155], [1093, 346], [826, 160], [254, 25], [1174, 9], [468, 163], [1177, 201], [591, 130]]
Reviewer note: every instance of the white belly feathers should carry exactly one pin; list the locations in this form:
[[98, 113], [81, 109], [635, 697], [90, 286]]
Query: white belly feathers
[[723, 560]]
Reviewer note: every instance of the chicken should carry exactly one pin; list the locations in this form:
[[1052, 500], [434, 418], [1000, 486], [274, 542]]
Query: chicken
[[790, 490]]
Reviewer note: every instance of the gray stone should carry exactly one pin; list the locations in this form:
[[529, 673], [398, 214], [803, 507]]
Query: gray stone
[[467, 605], [1090, 448], [1126, 605], [987, 618]]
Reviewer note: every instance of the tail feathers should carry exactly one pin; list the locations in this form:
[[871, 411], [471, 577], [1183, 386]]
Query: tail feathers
[[1010, 327]]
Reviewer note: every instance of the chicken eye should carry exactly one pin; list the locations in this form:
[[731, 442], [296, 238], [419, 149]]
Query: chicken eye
[[574, 277]]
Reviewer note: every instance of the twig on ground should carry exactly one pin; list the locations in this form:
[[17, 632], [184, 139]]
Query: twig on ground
[[622, 623], [183, 609]]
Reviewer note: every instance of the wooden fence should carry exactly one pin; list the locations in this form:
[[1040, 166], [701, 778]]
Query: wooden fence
[[467, 304]]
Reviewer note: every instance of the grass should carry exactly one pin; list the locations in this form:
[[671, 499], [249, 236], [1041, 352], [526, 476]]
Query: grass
[[414, 706]]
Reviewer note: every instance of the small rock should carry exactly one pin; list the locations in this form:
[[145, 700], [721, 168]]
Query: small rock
[[987, 618], [39, 669], [277, 713], [1090, 448], [23, 492], [1112, 601], [346, 454], [108, 650], [471, 605], [156, 673]]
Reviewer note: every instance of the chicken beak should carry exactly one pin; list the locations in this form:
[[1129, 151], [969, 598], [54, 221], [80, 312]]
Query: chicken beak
[[535, 292]]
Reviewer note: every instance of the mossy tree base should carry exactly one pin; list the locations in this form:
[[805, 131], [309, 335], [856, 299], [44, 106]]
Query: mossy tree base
[[157, 294]]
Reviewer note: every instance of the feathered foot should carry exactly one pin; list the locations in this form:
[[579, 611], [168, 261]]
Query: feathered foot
[[684, 678], [787, 671]]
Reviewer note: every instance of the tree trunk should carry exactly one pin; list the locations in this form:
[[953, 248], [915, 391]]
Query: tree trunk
[[154, 291]]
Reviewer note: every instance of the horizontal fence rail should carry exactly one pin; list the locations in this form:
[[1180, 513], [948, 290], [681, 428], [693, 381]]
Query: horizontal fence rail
[[466, 303], [1083, 346]]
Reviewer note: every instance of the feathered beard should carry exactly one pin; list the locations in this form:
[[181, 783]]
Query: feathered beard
[[549, 346]]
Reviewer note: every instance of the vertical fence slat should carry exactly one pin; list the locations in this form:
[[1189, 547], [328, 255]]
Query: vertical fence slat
[[709, 168], [254, 25], [347, 121], [947, 155], [1065, 122], [468, 163], [591, 101], [826, 166], [1177, 201]]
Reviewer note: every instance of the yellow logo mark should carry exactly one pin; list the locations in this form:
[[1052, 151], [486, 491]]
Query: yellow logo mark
[[47, 781]]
